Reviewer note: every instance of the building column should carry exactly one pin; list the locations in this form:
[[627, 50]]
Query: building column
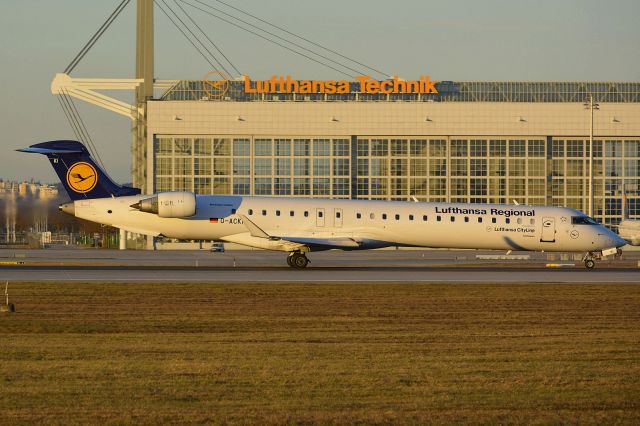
[[123, 240]]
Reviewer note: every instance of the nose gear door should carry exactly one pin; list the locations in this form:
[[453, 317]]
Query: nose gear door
[[548, 230]]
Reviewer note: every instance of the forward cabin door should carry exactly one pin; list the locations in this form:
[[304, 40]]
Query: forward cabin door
[[548, 230], [337, 218], [320, 218]]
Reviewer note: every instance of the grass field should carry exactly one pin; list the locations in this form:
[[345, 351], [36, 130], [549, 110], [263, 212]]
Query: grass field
[[319, 353]]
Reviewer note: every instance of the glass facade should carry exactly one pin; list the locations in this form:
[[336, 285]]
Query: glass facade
[[535, 171]]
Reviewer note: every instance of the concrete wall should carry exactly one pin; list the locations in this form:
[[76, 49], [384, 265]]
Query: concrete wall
[[390, 118]]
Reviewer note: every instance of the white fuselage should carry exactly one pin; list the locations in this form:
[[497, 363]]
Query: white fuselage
[[369, 224]]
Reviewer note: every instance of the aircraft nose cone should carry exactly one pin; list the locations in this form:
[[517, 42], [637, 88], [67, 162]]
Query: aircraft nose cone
[[619, 241], [68, 208]]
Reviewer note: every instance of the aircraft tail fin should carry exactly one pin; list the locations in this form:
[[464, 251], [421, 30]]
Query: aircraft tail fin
[[81, 177]]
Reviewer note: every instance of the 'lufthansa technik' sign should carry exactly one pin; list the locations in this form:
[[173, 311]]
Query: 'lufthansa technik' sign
[[365, 84]]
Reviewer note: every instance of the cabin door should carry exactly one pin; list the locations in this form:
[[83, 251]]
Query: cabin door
[[548, 230], [337, 218], [320, 217]]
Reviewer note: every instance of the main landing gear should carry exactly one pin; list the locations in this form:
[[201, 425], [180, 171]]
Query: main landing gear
[[297, 260]]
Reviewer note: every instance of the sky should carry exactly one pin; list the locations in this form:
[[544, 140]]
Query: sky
[[501, 40]]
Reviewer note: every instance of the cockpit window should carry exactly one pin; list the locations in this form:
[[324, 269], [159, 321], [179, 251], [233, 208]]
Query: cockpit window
[[583, 220]]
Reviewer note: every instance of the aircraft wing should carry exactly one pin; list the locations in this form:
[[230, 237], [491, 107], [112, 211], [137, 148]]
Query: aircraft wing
[[329, 242], [256, 234]]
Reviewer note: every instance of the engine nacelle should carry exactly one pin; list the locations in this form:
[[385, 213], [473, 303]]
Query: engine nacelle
[[169, 204]]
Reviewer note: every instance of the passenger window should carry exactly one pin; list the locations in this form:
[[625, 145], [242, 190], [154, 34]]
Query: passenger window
[[397, 217], [384, 216], [507, 220], [338, 215], [438, 218], [424, 218], [277, 212], [264, 212], [372, 216], [519, 220], [493, 220], [306, 214], [292, 213], [233, 211], [250, 212], [410, 217], [466, 219], [453, 218], [532, 221], [358, 216], [479, 220], [320, 213]]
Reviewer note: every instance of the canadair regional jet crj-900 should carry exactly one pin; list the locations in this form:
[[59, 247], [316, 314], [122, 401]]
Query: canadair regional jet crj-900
[[302, 225]]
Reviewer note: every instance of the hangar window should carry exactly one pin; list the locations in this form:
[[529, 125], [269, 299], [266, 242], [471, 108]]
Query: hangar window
[[438, 218], [277, 212], [264, 212], [493, 220], [410, 217], [250, 212], [424, 217], [397, 217]]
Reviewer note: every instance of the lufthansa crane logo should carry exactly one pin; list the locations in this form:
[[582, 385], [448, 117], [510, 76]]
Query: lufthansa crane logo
[[82, 177], [216, 84]]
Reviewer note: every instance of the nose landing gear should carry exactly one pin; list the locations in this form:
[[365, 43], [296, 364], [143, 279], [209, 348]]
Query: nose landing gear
[[297, 260], [589, 259]]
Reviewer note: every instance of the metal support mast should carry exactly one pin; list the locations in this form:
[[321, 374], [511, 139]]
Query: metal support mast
[[144, 92], [591, 106]]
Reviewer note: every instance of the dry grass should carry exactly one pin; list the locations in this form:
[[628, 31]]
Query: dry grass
[[307, 353]]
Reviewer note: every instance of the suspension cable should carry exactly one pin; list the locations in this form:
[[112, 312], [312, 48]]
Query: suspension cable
[[66, 113], [278, 37], [207, 37], [85, 49], [303, 38], [189, 39], [268, 39]]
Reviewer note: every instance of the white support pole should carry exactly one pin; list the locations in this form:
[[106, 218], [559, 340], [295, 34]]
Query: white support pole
[[591, 199], [123, 240]]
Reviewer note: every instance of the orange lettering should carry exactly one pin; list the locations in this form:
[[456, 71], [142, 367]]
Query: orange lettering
[[247, 85]]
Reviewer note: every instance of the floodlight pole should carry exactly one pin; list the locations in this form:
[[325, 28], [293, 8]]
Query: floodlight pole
[[591, 106]]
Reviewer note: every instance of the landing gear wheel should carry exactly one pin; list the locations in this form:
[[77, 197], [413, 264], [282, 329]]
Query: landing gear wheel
[[298, 260], [589, 264]]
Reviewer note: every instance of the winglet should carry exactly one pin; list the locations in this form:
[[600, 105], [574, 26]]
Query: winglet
[[254, 229]]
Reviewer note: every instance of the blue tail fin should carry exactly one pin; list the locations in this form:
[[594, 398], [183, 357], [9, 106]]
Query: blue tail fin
[[80, 175]]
